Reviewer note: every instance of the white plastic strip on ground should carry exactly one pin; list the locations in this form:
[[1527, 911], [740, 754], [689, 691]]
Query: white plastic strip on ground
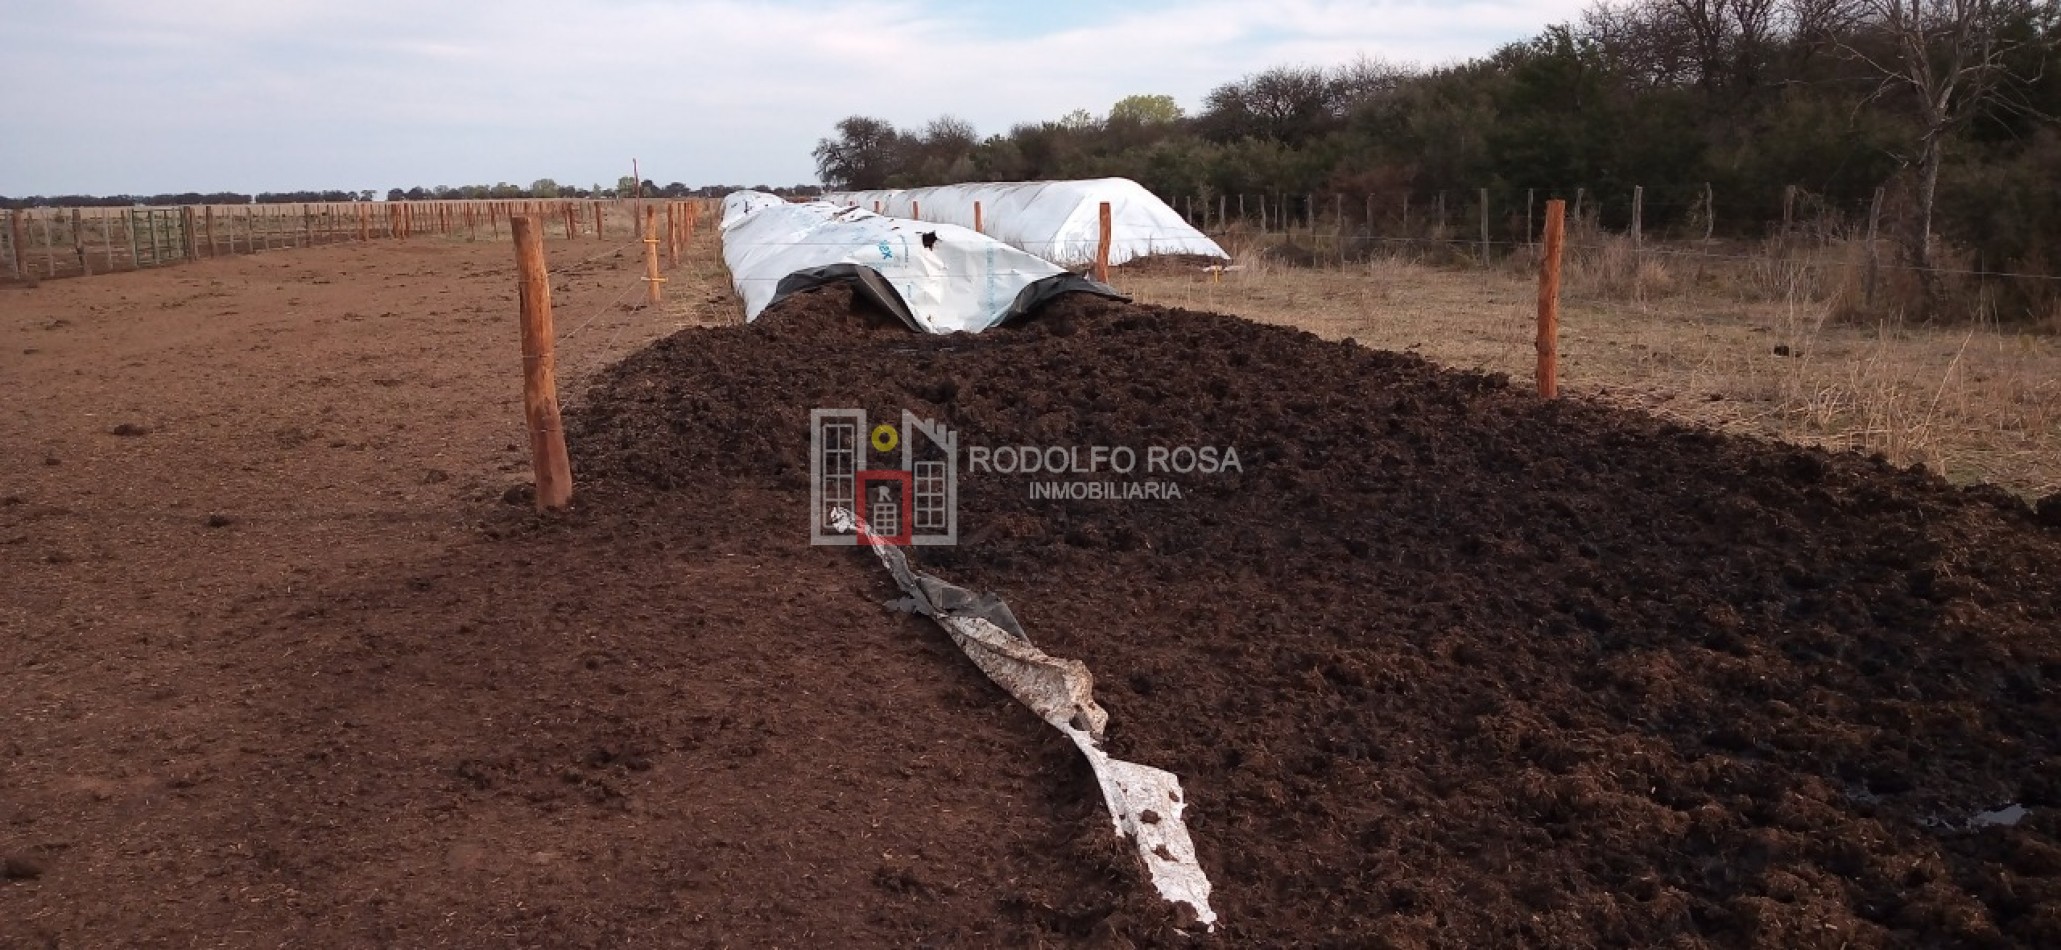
[[951, 278], [1145, 803], [1059, 221]]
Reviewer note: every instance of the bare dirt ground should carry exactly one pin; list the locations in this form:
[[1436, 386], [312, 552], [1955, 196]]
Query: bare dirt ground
[[180, 437], [192, 444]]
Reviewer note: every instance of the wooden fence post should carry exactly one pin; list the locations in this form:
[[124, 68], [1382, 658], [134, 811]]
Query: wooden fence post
[[672, 234], [43, 234], [1549, 300], [79, 243], [14, 241], [214, 250], [651, 278], [548, 459], [1484, 228], [1874, 257], [49, 244], [1338, 226], [1709, 212], [977, 222], [1102, 246], [1638, 215], [129, 229], [915, 210]]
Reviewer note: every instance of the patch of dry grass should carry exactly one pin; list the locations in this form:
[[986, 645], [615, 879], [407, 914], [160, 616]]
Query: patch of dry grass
[[1751, 349]]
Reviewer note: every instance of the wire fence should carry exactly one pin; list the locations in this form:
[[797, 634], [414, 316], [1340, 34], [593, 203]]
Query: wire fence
[[48, 243]]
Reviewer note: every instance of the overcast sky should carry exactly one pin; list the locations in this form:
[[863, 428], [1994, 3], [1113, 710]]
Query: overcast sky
[[151, 96]]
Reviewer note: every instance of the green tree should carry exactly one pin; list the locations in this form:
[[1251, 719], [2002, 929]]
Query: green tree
[[864, 153], [1146, 109]]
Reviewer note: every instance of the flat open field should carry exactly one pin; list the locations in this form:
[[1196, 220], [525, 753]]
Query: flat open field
[[1440, 665], [1973, 403]]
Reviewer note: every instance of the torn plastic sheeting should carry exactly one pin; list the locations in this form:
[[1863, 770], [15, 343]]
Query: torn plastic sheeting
[[934, 277], [1144, 803], [1059, 221]]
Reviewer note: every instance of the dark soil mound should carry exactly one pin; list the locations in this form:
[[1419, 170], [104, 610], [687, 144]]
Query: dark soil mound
[[1441, 662]]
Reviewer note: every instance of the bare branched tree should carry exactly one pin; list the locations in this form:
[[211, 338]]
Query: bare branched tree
[[1947, 58]]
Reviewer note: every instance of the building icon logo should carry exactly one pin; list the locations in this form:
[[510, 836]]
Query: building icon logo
[[914, 502]]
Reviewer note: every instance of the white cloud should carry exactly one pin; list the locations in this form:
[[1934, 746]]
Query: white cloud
[[141, 95]]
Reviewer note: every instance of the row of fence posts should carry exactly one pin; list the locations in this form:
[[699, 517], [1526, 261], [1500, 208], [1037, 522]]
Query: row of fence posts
[[153, 237], [1276, 217], [549, 462], [1276, 214], [1548, 335], [1282, 219], [1101, 271], [1552, 248]]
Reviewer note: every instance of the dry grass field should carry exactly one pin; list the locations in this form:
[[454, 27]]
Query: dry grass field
[[1976, 403]]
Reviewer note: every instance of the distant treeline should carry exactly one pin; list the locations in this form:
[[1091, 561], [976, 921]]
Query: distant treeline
[[182, 198], [541, 188], [1783, 109]]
